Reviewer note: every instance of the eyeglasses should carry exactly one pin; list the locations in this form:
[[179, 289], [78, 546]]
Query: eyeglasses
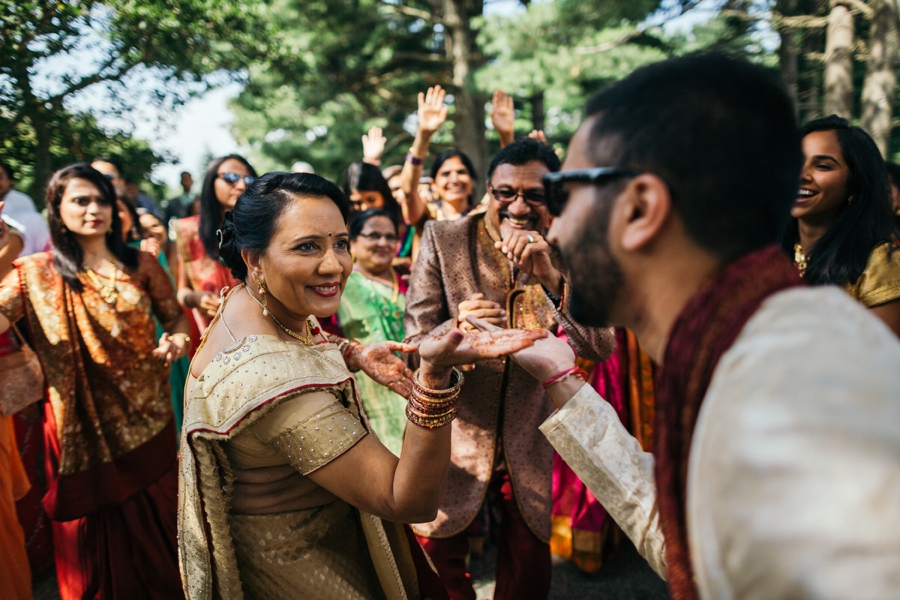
[[233, 178], [390, 238], [555, 183], [509, 195]]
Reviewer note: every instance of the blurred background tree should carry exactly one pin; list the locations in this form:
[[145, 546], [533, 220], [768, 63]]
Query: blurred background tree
[[51, 50], [317, 74]]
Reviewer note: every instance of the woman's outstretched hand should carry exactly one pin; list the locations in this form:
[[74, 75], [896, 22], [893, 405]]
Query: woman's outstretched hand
[[543, 359], [379, 362], [458, 348]]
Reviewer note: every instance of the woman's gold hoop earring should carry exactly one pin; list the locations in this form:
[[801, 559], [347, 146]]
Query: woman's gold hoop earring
[[261, 290]]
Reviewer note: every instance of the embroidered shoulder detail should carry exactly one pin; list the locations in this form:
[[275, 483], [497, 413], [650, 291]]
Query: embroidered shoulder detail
[[250, 373], [319, 439]]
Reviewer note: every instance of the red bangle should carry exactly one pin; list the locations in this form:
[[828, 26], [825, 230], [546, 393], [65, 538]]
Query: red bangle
[[414, 160], [577, 371]]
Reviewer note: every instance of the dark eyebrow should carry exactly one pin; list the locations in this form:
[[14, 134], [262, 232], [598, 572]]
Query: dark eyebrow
[[826, 157], [316, 238]]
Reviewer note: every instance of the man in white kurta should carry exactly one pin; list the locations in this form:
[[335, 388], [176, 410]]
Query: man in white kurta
[[794, 472], [792, 485]]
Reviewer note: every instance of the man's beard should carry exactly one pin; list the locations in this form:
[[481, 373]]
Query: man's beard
[[594, 275]]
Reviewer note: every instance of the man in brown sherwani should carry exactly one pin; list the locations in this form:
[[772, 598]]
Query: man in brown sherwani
[[497, 266]]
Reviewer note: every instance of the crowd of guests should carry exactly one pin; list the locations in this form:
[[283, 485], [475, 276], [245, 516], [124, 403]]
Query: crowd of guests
[[686, 333]]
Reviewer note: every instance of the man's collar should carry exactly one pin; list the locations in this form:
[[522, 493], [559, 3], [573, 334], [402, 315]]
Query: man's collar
[[491, 228]]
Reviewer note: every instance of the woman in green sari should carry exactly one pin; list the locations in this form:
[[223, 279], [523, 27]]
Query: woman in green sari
[[371, 310]]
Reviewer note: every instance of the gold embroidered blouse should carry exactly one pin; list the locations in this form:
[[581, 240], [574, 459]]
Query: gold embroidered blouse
[[880, 282], [263, 415]]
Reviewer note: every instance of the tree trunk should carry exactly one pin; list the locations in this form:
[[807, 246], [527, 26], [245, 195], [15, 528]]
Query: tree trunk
[[788, 53], [42, 167], [839, 62], [880, 87], [35, 113], [469, 129], [537, 110]]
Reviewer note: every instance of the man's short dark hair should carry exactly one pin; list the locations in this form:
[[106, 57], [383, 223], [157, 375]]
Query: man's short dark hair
[[113, 161], [721, 133], [524, 151], [10, 173]]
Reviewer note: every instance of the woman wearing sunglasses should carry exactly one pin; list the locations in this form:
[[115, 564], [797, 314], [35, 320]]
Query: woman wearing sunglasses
[[372, 310], [199, 274]]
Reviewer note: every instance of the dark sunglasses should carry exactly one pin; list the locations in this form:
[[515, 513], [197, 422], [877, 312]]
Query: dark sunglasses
[[508, 196], [557, 195], [233, 178]]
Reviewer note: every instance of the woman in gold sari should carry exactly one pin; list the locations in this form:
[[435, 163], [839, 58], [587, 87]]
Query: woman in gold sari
[[284, 490], [110, 458]]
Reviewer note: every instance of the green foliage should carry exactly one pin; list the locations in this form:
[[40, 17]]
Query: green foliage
[[345, 66], [564, 51], [76, 137], [336, 68], [181, 40]]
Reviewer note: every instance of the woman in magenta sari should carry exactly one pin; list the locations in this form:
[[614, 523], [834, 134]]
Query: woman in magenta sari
[[582, 530], [89, 308]]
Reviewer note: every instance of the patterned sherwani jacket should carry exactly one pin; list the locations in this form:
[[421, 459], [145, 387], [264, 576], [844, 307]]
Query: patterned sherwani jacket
[[501, 405]]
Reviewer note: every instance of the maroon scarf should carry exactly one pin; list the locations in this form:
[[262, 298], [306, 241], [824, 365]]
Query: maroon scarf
[[703, 332]]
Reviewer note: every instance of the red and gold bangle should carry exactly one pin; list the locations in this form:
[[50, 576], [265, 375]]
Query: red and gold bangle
[[429, 415], [429, 394], [346, 348], [430, 422], [430, 408], [576, 371]]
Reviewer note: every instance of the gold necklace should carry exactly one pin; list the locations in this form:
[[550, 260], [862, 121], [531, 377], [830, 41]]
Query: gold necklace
[[306, 340], [800, 259], [109, 293]]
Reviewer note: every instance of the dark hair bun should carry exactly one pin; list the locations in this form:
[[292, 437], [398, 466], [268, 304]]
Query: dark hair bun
[[229, 253]]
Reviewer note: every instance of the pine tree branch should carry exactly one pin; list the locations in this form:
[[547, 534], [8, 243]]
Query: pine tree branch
[[607, 46], [856, 6], [782, 22], [96, 77], [412, 12]]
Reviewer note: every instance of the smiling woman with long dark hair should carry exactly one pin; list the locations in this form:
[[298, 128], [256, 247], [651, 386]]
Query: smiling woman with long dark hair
[[111, 451], [842, 231], [199, 276]]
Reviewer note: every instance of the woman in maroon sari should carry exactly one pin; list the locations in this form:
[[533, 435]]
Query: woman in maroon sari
[[109, 428]]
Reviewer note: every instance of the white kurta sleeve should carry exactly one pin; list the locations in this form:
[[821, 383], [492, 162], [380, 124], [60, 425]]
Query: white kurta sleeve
[[588, 435]]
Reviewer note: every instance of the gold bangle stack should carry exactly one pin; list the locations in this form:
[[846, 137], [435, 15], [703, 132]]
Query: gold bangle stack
[[434, 408]]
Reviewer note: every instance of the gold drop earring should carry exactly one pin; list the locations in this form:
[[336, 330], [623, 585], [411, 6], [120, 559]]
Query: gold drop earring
[[261, 290]]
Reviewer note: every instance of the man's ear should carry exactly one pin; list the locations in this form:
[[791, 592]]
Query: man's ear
[[645, 209]]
